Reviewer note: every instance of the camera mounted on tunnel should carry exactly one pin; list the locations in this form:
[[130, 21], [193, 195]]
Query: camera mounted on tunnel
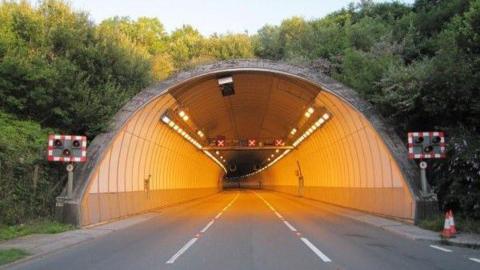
[[426, 145], [67, 148]]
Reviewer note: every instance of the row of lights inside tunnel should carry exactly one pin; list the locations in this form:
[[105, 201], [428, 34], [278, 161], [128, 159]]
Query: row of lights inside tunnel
[[186, 136], [270, 161], [324, 118]]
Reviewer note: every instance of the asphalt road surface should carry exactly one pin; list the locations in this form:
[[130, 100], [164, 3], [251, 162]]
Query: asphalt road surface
[[243, 230]]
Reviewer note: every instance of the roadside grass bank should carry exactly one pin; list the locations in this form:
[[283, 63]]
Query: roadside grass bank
[[11, 255], [42, 226], [462, 224]]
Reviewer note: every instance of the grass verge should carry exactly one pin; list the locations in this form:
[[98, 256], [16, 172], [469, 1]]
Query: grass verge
[[38, 226], [11, 255], [462, 224]]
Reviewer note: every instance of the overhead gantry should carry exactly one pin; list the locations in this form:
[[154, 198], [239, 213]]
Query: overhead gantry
[[289, 128]]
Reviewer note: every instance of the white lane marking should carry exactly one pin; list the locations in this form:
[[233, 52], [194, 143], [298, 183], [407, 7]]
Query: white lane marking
[[474, 259], [440, 248], [206, 227], [182, 250], [290, 226], [316, 250], [304, 240], [193, 240]]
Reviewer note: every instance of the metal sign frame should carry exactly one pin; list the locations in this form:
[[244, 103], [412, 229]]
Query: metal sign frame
[[438, 149], [81, 157]]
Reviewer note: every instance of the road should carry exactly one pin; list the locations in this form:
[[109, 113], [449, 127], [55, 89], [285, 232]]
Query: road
[[242, 230]]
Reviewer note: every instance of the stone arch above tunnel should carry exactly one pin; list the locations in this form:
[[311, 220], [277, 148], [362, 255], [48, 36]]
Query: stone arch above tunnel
[[140, 164]]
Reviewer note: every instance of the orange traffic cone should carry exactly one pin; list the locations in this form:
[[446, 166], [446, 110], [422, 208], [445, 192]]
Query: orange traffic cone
[[453, 230], [447, 231]]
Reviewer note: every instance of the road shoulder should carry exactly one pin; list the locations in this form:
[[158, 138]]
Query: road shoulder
[[401, 228], [42, 244]]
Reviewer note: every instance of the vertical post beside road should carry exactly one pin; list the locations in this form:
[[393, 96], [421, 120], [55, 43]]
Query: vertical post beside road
[[70, 181], [423, 176]]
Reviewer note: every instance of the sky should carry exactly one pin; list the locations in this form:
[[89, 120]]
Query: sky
[[213, 16]]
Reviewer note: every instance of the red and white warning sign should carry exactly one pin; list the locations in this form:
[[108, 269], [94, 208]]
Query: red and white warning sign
[[279, 142], [423, 145], [67, 148], [220, 142]]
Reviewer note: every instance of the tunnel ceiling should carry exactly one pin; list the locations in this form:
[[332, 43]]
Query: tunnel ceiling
[[264, 107]]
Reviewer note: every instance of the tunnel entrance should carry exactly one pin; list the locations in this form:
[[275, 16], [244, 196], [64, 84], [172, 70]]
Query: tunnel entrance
[[251, 119]]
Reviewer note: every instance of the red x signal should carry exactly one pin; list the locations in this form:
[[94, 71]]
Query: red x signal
[[220, 143], [279, 142], [252, 142]]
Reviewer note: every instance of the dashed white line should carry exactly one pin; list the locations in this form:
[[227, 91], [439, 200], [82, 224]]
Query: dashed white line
[[440, 248], [290, 226], [316, 250], [474, 259], [193, 240], [182, 250], [309, 244], [206, 227]]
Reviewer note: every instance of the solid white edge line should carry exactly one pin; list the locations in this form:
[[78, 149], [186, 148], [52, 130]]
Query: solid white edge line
[[206, 227], [474, 259], [278, 215], [316, 250], [182, 250], [440, 248], [218, 215], [290, 226]]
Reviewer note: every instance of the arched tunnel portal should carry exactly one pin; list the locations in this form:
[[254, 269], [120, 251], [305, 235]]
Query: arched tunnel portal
[[289, 128]]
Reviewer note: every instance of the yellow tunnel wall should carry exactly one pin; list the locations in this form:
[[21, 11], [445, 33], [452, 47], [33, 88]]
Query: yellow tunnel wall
[[346, 163], [146, 147]]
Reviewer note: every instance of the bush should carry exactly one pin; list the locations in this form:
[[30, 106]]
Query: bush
[[22, 149]]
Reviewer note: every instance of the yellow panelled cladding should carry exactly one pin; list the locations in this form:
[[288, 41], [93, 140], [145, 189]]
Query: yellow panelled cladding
[[345, 162], [147, 166]]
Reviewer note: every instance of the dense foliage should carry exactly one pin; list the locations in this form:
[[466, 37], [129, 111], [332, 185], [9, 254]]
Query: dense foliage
[[25, 192], [59, 70], [419, 65]]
